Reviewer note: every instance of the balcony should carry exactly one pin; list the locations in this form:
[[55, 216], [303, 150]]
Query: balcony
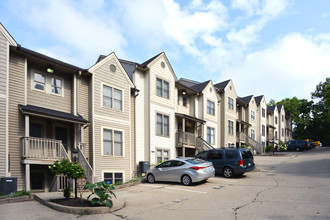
[[185, 138], [42, 150]]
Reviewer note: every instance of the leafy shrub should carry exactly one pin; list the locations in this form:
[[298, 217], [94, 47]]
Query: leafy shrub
[[282, 147], [268, 148], [103, 191], [248, 147], [67, 192]]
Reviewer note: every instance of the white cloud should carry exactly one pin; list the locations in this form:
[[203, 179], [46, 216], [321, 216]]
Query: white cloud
[[291, 67]]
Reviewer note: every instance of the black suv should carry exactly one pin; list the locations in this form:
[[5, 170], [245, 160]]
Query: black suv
[[229, 161], [298, 145]]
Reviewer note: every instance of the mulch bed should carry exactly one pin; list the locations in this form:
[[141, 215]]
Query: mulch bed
[[74, 202]]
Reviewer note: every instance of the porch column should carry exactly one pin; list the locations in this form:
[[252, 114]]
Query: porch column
[[183, 151], [75, 135], [27, 177], [183, 124], [27, 134]]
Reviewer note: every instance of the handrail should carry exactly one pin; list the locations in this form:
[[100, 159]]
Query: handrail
[[201, 145], [85, 165]]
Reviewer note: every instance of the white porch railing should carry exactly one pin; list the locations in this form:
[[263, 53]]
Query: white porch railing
[[85, 165], [43, 149], [202, 145], [252, 143]]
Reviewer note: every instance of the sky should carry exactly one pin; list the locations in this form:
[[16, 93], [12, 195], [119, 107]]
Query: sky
[[276, 48]]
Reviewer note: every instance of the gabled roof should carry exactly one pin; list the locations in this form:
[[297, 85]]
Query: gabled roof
[[246, 100], [279, 107], [188, 82], [145, 64], [258, 99], [201, 86], [271, 108], [129, 67], [222, 85], [7, 35]]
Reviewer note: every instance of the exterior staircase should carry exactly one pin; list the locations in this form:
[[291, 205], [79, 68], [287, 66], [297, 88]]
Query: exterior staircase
[[252, 143], [202, 145]]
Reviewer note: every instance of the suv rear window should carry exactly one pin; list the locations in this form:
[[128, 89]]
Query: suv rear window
[[231, 154], [246, 154], [202, 155]]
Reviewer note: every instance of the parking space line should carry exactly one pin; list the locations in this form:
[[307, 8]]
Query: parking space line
[[186, 190], [152, 186], [222, 180]]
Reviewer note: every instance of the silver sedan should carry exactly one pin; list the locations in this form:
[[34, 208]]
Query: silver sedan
[[184, 170]]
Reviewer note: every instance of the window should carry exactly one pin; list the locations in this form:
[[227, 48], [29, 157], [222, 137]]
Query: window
[[210, 107], [230, 127], [253, 115], [231, 154], [56, 86], [230, 103], [112, 98], [184, 101], [202, 155], [282, 117], [275, 134], [215, 155], [263, 131], [282, 131], [210, 135], [112, 142], [163, 88], [275, 119], [163, 125], [39, 82], [162, 155], [112, 178], [263, 112], [253, 134]]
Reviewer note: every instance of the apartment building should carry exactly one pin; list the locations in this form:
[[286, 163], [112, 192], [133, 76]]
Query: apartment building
[[227, 111], [206, 112], [112, 121], [155, 108], [261, 115], [272, 125], [281, 123]]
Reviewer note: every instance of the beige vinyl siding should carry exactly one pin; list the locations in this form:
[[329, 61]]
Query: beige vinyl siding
[[16, 119], [116, 80], [2, 137], [109, 118], [3, 102], [84, 109], [156, 71], [48, 100]]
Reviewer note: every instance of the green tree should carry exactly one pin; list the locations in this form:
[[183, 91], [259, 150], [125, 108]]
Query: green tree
[[271, 102]]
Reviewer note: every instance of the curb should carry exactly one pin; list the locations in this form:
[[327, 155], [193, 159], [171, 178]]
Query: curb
[[118, 204], [16, 199]]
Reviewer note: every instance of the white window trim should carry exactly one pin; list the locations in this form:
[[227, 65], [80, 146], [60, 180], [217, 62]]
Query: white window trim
[[113, 171], [123, 141], [113, 88], [48, 82]]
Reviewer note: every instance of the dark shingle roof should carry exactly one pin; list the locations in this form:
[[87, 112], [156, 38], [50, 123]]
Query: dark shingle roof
[[222, 85], [129, 67], [279, 107], [258, 99], [271, 108], [145, 64], [101, 57], [201, 86], [188, 82], [246, 100], [51, 113]]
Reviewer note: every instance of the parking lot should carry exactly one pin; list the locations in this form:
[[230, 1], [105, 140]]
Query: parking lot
[[290, 186]]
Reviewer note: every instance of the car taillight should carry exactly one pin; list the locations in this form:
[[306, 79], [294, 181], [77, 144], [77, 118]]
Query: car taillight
[[197, 168], [241, 163]]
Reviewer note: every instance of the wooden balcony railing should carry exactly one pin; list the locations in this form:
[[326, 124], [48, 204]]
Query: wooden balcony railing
[[42, 149]]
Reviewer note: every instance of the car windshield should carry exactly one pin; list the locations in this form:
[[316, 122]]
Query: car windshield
[[246, 154], [195, 161]]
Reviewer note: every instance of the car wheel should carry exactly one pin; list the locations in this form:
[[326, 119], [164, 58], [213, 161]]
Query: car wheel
[[151, 178], [186, 180], [297, 149], [227, 172]]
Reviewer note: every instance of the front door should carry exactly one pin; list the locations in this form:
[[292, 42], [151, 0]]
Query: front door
[[61, 133]]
